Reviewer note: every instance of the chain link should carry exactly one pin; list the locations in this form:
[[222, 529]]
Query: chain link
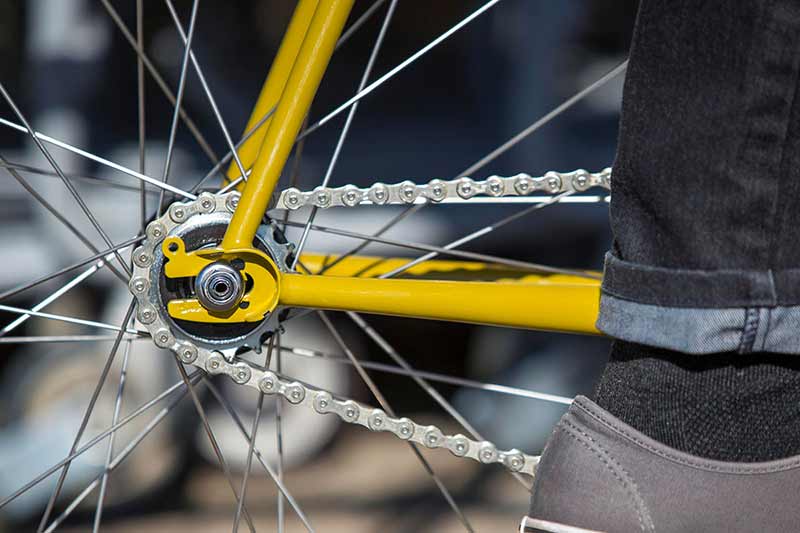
[[436, 190]]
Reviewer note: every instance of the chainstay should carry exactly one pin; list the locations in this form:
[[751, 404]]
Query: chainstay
[[143, 287], [436, 190]]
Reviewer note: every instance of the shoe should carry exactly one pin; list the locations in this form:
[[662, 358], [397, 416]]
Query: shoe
[[597, 474]]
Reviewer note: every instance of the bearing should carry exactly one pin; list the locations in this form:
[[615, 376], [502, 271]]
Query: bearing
[[219, 287]]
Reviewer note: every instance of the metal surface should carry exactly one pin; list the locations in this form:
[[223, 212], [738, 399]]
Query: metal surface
[[548, 303], [309, 67], [464, 188], [219, 287], [274, 84]]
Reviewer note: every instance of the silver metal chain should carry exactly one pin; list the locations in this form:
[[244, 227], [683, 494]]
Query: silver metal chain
[[374, 419], [436, 190], [144, 286]]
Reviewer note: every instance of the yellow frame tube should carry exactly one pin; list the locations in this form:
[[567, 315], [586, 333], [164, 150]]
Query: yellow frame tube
[[312, 60], [541, 304], [274, 84]]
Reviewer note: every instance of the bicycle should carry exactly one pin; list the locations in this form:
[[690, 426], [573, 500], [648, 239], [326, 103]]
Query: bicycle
[[214, 279]]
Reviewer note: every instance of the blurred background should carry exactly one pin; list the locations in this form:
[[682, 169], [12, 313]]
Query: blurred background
[[72, 72]]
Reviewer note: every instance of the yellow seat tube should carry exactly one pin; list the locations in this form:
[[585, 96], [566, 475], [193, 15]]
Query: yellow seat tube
[[312, 60], [547, 305], [274, 84]]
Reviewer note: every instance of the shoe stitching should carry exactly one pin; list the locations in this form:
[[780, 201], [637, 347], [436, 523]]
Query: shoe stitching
[[642, 513], [695, 464]]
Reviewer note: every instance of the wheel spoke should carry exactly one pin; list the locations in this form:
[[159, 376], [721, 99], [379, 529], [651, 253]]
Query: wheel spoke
[[89, 409], [139, 49], [42, 339], [56, 213], [102, 161], [485, 231], [118, 459], [104, 255], [141, 110], [226, 159], [249, 462], [279, 439], [178, 100], [109, 454], [432, 376], [69, 319], [347, 123], [213, 440], [388, 409], [392, 353], [278, 483], [212, 102], [424, 385], [383, 229], [386, 77], [538, 124], [71, 175], [92, 442], [359, 22], [54, 296], [532, 128], [67, 183], [450, 248]]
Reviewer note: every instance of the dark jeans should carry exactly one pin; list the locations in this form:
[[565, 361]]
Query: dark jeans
[[706, 186]]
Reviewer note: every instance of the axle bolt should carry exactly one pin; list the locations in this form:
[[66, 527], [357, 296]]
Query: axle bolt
[[219, 287]]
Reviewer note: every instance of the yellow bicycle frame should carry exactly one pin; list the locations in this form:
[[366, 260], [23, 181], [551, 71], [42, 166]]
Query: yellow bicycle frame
[[501, 296]]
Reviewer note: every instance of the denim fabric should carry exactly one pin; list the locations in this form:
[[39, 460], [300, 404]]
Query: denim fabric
[[702, 330], [705, 207]]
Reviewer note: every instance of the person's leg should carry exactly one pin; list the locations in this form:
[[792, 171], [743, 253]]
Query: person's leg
[[706, 187], [706, 182], [703, 280]]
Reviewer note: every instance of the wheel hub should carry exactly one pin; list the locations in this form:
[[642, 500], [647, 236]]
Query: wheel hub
[[191, 296]]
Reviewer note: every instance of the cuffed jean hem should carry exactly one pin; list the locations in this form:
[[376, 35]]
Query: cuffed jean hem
[[720, 289], [702, 330]]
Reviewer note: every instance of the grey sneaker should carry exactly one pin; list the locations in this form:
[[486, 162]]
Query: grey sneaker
[[598, 474]]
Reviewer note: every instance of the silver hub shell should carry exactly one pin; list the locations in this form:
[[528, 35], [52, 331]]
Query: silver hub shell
[[200, 223]]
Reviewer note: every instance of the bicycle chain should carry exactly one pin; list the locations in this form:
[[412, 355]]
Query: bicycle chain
[[145, 280], [464, 188]]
